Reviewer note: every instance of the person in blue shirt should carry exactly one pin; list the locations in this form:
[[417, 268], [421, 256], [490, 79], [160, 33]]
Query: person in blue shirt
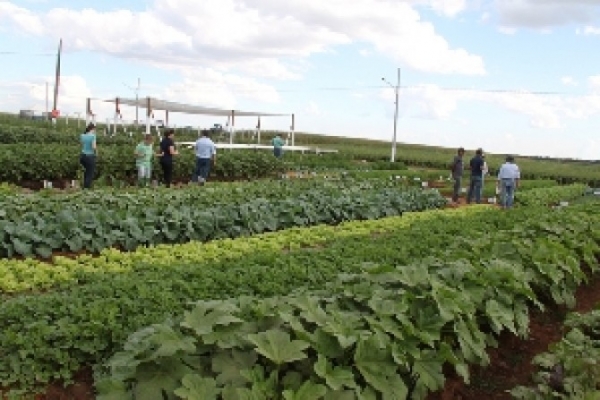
[[206, 157], [88, 155], [477, 165], [278, 144]]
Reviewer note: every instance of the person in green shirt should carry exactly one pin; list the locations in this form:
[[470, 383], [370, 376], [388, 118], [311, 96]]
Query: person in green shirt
[[144, 153], [277, 143]]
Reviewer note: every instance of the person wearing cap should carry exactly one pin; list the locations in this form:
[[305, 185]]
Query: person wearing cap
[[88, 154], [508, 182], [475, 185], [457, 167]]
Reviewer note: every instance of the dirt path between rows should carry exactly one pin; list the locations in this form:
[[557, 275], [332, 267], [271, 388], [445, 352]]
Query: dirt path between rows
[[511, 362]]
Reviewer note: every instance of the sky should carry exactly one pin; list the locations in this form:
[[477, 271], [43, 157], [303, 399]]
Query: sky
[[510, 76]]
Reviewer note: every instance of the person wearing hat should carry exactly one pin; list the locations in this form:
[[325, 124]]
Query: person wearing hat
[[88, 154], [508, 182]]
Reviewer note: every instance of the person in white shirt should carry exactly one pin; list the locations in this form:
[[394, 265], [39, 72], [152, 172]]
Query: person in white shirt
[[508, 182], [206, 157], [484, 172]]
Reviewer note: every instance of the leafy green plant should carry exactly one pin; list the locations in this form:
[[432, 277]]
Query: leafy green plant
[[57, 226], [101, 301], [551, 196], [570, 369]]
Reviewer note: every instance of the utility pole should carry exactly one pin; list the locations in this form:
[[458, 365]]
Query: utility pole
[[397, 92], [137, 99]]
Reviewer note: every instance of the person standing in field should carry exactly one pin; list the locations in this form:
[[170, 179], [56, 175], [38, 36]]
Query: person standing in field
[[143, 161], [457, 169], [484, 172], [277, 143], [167, 152], [206, 157], [508, 182], [475, 185], [87, 158]]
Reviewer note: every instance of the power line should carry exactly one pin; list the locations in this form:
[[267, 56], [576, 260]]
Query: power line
[[18, 53]]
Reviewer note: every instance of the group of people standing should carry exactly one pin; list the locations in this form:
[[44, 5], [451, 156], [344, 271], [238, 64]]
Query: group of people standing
[[206, 156], [508, 178]]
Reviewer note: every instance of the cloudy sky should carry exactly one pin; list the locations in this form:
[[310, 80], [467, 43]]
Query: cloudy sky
[[515, 76]]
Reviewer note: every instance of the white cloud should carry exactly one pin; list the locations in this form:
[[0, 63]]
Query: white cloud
[[507, 31], [589, 30], [568, 81], [594, 82], [262, 37], [313, 109], [213, 88], [425, 101], [539, 14], [448, 8], [543, 111]]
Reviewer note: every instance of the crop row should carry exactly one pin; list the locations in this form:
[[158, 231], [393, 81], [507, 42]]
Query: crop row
[[61, 162], [386, 331], [49, 335], [128, 226], [545, 196], [221, 193], [570, 369]]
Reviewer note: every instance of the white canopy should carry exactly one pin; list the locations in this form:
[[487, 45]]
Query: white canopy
[[157, 104], [152, 104]]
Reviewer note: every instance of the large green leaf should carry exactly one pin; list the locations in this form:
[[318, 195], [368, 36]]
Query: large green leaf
[[203, 318], [378, 369], [228, 364], [276, 346], [196, 387], [336, 378], [154, 382], [308, 391], [428, 370]]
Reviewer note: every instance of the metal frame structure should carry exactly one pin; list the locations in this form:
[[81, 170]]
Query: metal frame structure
[[152, 104]]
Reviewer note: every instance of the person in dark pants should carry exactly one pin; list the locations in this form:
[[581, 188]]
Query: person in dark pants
[[477, 165], [278, 144], [167, 151], [88, 155], [457, 168]]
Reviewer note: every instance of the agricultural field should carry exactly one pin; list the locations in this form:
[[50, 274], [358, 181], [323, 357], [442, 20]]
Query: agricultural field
[[327, 277]]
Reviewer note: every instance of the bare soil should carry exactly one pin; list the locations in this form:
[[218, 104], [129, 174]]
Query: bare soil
[[511, 363]]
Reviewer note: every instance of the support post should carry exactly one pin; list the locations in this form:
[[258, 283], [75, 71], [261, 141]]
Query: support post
[[148, 114], [293, 128], [88, 111], [258, 129], [232, 127], [117, 111], [393, 157]]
